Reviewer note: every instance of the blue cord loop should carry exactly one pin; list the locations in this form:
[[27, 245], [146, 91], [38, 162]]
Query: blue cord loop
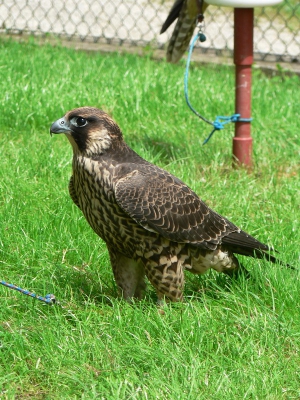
[[218, 125], [220, 121], [48, 299]]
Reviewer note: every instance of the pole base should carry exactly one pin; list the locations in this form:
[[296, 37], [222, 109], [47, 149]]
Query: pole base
[[242, 151]]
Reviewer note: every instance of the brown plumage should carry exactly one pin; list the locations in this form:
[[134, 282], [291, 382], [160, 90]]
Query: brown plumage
[[153, 224], [186, 12]]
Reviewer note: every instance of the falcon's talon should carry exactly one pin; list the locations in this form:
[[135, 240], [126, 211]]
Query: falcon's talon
[[153, 224]]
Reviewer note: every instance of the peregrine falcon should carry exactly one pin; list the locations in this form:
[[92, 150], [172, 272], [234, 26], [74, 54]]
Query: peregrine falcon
[[154, 225], [187, 12]]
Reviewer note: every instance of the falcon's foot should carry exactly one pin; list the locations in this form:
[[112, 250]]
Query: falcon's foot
[[236, 272], [129, 275]]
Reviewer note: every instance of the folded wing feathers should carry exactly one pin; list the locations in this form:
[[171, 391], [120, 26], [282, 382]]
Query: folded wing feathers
[[159, 201]]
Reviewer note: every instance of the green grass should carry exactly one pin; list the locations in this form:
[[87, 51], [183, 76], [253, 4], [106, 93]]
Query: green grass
[[229, 340]]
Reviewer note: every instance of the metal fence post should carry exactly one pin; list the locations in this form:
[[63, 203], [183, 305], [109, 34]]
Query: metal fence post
[[243, 59]]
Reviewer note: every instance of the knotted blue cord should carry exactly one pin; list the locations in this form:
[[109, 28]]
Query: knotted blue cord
[[217, 124], [49, 298]]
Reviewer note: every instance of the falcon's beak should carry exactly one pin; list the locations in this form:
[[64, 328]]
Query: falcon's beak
[[60, 126]]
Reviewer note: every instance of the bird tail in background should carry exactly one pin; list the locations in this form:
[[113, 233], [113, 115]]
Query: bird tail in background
[[186, 11]]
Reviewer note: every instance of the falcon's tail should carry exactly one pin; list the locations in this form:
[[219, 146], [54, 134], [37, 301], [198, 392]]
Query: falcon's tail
[[186, 11], [173, 15], [246, 245]]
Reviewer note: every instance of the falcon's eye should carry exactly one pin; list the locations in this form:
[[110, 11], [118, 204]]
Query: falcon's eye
[[79, 121]]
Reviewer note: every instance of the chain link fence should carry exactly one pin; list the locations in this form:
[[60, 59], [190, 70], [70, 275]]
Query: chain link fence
[[138, 23]]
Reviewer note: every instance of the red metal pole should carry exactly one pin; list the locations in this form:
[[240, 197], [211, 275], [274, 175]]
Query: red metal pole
[[243, 59]]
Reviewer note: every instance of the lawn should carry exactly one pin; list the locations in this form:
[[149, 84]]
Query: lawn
[[229, 339]]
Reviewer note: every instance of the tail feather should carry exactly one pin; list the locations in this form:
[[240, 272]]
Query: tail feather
[[186, 11], [246, 245], [173, 15]]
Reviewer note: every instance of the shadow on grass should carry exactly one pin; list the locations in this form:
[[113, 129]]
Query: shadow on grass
[[163, 150], [214, 285], [80, 285]]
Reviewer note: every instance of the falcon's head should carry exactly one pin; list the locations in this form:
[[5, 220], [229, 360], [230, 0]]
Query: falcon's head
[[90, 131]]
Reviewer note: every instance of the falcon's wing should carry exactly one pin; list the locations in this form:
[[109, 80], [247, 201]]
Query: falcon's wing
[[160, 202]]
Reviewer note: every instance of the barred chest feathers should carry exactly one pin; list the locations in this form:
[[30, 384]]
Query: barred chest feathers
[[92, 190]]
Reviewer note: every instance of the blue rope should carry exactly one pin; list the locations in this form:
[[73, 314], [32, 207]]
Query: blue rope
[[220, 121], [49, 298]]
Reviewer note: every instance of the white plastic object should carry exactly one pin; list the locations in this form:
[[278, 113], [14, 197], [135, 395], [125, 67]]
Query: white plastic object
[[243, 3]]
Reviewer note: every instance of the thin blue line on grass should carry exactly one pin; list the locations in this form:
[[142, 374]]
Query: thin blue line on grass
[[48, 299]]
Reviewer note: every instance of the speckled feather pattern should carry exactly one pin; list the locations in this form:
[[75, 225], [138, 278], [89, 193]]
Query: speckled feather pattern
[[154, 225], [185, 11]]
